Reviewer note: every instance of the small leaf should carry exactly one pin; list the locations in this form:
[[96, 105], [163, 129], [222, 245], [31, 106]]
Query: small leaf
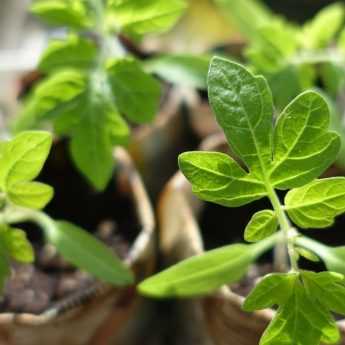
[[17, 245], [298, 157], [70, 13], [218, 178], [30, 194], [23, 157], [137, 94], [201, 274], [263, 224], [5, 270], [181, 69], [139, 17], [53, 97], [319, 32], [73, 52], [316, 204], [83, 250], [243, 107], [307, 254]]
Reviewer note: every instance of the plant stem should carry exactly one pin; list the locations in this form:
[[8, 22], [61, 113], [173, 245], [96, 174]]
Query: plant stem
[[284, 249]]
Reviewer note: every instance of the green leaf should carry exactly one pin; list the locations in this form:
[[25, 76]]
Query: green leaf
[[139, 17], [5, 269], [22, 158], [30, 194], [298, 157], [316, 204], [93, 138], [307, 254], [328, 288], [201, 274], [303, 316], [53, 97], [89, 254], [136, 93], [247, 15], [243, 107], [319, 32], [71, 13], [263, 224], [181, 69], [17, 245], [273, 289], [218, 178], [75, 52]]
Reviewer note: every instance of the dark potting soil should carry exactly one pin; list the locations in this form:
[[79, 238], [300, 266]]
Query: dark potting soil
[[109, 215]]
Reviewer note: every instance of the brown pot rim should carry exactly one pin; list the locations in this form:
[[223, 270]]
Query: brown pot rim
[[139, 250]]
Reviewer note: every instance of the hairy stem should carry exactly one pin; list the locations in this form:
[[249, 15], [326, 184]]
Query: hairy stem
[[284, 250]]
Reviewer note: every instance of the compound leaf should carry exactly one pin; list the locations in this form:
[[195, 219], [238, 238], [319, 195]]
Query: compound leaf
[[316, 204]]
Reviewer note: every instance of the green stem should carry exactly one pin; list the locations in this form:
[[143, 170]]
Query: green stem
[[20, 215], [285, 248]]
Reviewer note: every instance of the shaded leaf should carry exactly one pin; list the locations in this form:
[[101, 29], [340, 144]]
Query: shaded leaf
[[88, 253]]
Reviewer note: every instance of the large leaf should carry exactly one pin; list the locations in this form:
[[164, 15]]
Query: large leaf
[[181, 69], [218, 178], [316, 204], [73, 52], [243, 107], [319, 32], [87, 253], [201, 274], [23, 157], [298, 157], [303, 316], [136, 93], [70, 13], [139, 17], [262, 224]]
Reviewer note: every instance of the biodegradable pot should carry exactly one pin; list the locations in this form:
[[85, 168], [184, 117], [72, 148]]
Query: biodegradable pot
[[100, 314], [154, 147], [180, 238]]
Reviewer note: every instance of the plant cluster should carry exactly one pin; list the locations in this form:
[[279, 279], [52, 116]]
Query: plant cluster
[[92, 81], [286, 154], [22, 200]]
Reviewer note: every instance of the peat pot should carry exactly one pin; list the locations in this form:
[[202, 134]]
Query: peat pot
[[97, 314], [181, 218]]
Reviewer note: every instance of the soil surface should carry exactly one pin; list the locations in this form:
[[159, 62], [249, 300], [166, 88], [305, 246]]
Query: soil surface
[[110, 215]]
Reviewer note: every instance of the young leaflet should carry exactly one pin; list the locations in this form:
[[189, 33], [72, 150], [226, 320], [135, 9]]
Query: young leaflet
[[287, 154], [22, 199], [92, 81]]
